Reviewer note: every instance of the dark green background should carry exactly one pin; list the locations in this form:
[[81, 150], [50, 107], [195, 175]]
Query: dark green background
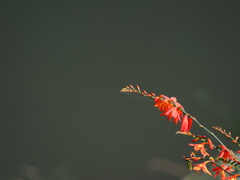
[[64, 62]]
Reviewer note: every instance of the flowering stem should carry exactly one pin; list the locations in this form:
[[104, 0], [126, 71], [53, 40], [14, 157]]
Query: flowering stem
[[201, 126], [152, 95], [175, 112]]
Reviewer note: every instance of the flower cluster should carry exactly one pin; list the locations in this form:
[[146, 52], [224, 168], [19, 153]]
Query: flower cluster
[[224, 164], [174, 111], [225, 156]]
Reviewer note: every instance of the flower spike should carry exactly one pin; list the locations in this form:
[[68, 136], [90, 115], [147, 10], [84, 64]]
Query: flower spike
[[228, 135], [132, 89]]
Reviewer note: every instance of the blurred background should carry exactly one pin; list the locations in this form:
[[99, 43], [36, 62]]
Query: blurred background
[[63, 64]]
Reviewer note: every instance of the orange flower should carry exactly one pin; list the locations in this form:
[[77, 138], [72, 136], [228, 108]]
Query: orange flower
[[201, 148], [202, 166], [170, 108], [186, 124], [225, 153], [210, 143], [223, 169], [233, 177], [162, 103]]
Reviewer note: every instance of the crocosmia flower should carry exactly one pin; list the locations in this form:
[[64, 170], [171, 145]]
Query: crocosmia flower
[[174, 111], [170, 107]]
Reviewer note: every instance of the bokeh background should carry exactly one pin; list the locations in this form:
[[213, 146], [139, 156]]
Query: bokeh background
[[63, 64]]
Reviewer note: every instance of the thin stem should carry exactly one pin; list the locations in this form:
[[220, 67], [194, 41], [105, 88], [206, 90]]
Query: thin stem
[[203, 127]]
